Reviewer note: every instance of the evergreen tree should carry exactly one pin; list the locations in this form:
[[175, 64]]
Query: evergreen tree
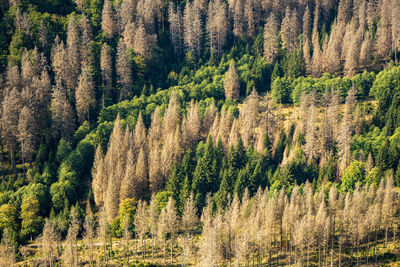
[[205, 175], [124, 71], [176, 27], [231, 83], [192, 29], [108, 20], [85, 95], [106, 66], [9, 121], [242, 181], [141, 224], [271, 43], [26, 134], [171, 223], [73, 47], [175, 182], [217, 26]]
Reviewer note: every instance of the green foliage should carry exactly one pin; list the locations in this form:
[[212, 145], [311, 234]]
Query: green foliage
[[8, 218], [74, 174], [180, 180], [386, 90], [294, 65], [127, 210], [63, 150], [206, 174], [17, 46], [93, 9], [52, 6], [374, 176], [162, 198], [82, 131], [353, 174], [36, 190], [242, 181], [281, 90], [116, 229], [397, 176], [31, 221], [276, 72]]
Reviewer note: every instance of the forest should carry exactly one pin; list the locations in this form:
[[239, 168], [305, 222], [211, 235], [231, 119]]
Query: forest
[[199, 132]]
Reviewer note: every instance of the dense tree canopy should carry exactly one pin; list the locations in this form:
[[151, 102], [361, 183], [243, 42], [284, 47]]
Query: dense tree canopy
[[236, 119]]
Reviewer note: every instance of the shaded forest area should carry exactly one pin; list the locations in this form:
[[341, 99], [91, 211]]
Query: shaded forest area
[[216, 132]]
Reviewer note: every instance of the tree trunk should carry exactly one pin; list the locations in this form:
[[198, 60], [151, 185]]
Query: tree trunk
[[269, 257], [319, 255], [111, 248], [142, 249], [2, 159], [171, 251], [386, 232], [152, 249], [165, 255], [367, 252], [105, 250], [127, 250], [14, 165], [376, 242]]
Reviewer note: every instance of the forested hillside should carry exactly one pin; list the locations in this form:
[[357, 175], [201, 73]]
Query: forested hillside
[[207, 133]]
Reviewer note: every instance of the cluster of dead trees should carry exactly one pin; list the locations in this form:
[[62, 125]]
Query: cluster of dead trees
[[296, 226], [303, 227], [138, 162], [348, 46]]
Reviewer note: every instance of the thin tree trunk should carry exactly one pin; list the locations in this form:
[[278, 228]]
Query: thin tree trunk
[[136, 245], [127, 250], [367, 252], [376, 242], [111, 248], [319, 255], [14, 166], [358, 252], [386, 233], [183, 252], [105, 250], [171, 251], [153, 248], [2, 159], [142, 249], [259, 253], [165, 255]]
